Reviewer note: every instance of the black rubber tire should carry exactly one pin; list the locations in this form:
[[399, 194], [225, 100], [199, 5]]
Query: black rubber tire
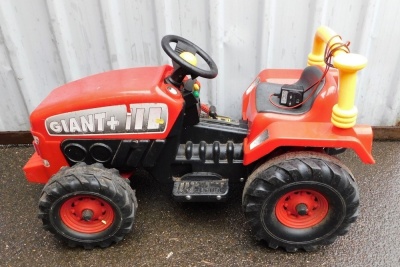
[[88, 180], [300, 171]]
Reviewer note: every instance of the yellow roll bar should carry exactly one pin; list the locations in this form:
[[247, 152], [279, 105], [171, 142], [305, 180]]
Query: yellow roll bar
[[344, 113]]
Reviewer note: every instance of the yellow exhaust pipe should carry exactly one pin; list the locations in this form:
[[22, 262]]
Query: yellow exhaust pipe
[[344, 113]]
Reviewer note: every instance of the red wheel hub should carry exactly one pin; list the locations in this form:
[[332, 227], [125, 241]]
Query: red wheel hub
[[87, 214], [301, 209]]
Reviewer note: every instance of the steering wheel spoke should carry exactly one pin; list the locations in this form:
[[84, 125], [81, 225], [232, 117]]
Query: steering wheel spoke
[[182, 47]]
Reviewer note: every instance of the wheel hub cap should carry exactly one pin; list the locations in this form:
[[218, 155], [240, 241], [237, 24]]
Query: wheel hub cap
[[87, 214], [301, 209]]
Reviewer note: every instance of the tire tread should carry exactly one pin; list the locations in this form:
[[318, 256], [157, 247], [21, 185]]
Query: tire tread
[[89, 178], [298, 167]]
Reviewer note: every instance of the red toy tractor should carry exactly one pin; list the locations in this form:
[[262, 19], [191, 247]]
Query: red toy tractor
[[92, 134]]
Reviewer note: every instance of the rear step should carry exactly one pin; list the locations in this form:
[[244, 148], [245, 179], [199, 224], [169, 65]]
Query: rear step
[[201, 190]]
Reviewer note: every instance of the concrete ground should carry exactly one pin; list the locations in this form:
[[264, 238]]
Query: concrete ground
[[175, 234]]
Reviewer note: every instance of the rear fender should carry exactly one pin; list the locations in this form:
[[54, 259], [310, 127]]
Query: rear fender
[[309, 134]]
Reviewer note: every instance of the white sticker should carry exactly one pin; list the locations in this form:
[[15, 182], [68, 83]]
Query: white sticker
[[143, 118]]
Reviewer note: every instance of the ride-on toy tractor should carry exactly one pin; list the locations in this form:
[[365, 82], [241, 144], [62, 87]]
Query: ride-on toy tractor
[[91, 135]]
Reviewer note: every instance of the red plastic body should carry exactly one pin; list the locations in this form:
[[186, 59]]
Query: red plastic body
[[269, 131], [120, 89]]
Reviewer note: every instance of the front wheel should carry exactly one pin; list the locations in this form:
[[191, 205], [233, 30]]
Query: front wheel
[[300, 201], [88, 205]]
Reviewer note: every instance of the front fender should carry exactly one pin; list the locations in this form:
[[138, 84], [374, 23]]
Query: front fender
[[309, 134]]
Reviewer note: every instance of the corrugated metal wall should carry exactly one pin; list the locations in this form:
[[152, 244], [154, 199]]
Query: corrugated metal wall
[[44, 44]]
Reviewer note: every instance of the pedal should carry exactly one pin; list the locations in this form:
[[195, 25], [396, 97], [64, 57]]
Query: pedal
[[201, 191]]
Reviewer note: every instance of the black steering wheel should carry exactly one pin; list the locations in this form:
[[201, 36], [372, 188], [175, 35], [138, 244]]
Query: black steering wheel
[[185, 67]]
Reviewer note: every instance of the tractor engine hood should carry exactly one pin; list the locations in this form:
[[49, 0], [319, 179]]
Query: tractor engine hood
[[102, 104]]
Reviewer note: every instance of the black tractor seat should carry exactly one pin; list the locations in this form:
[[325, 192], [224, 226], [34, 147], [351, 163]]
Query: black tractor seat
[[309, 76]]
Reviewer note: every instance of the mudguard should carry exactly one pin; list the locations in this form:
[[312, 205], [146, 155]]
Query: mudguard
[[309, 134]]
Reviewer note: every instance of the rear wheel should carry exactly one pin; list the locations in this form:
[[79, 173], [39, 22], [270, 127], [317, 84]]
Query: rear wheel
[[300, 201], [88, 205]]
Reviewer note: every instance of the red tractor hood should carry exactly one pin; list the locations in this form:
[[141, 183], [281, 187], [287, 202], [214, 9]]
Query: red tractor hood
[[113, 87], [119, 91]]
